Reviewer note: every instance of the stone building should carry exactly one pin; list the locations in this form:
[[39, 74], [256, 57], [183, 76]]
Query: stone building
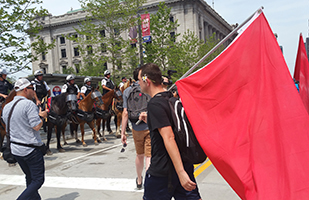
[[195, 15]]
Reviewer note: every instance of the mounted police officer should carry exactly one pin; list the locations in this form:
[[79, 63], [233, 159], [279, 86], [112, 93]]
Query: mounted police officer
[[107, 83], [5, 85], [86, 89], [40, 87], [70, 86]]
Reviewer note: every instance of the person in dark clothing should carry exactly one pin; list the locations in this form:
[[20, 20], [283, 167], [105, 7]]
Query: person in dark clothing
[[86, 89], [108, 85], [40, 87], [167, 175], [5, 85]]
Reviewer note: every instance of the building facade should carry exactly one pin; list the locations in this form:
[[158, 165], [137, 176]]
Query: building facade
[[193, 15]]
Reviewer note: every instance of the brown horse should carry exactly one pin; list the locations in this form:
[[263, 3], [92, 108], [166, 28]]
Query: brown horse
[[117, 107], [8, 99], [107, 101], [85, 114]]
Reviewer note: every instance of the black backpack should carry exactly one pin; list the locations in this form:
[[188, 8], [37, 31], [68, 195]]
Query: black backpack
[[136, 103], [189, 148]]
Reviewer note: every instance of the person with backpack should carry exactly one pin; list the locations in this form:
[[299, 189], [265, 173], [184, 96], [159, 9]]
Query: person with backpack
[[168, 175], [135, 102]]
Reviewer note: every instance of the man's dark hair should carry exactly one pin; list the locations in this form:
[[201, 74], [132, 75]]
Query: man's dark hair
[[153, 73], [135, 74], [123, 78]]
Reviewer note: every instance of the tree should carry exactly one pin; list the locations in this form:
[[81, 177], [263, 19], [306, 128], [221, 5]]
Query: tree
[[163, 37], [102, 33], [170, 53], [19, 22]]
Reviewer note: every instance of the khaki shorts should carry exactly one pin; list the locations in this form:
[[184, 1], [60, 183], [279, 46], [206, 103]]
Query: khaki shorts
[[142, 142]]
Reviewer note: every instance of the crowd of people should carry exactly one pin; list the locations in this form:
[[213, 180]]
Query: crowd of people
[[166, 175]]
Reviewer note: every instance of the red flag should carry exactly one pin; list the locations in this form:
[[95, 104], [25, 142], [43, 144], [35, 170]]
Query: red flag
[[249, 118], [301, 72]]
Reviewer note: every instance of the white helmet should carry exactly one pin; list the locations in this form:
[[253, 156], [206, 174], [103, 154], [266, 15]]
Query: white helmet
[[106, 73], [3, 71], [38, 72], [70, 77], [87, 79]]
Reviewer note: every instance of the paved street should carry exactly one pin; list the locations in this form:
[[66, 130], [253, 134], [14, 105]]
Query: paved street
[[99, 172]]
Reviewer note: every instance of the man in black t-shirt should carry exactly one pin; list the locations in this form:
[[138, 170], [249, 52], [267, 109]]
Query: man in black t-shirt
[[167, 175]]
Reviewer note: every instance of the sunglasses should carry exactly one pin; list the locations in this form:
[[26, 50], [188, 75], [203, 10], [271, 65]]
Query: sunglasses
[[30, 88], [123, 147]]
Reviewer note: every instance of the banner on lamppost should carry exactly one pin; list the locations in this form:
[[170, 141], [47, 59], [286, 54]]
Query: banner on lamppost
[[145, 18]]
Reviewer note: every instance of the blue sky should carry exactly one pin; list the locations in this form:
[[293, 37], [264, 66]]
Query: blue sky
[[286, 18]]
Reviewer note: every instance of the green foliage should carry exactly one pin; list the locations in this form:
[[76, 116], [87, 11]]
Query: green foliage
[[102, 31], [180, 55], [162, 42], [17, 26]]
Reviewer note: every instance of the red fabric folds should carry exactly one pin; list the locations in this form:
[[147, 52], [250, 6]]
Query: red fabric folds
[[249, 119], [301, 72]]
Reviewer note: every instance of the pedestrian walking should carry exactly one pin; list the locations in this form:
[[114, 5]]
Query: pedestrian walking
[[140, 132], [167, 176], [24, 128]]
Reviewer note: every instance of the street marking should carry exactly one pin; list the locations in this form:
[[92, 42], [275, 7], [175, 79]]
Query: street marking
[[112, 184], [200, 168], [89, 154]]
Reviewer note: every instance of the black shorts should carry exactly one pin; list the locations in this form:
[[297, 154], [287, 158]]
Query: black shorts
[[156, 188]]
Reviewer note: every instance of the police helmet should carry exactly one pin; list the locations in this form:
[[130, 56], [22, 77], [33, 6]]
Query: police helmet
[[106, 73], [3, 72], [70, 77], [87, 79], [38, 73]]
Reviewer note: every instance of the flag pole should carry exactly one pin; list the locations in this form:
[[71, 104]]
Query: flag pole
[[216, 47]]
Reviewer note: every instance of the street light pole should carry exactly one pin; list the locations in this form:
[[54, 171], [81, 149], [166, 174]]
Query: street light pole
[[140, 36]]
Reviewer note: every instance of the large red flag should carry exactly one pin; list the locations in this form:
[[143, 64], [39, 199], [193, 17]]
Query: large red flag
[[301, 72], [249, 118]]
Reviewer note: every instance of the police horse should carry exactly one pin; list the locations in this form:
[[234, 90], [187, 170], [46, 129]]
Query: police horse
[[85, 114], [107, 110]]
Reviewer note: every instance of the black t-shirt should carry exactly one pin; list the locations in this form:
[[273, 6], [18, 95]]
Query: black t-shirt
[[159, 116]]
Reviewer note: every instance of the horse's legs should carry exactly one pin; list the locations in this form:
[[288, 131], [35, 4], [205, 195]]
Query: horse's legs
[[49, 133], [118, 131], [73, 130], [58, 134], [108, 125], [3, 133], [63, 133], [82, 130], [94, 134]]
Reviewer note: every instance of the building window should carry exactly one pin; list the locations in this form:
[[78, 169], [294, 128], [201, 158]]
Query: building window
[[63, 53], [116, 31], [64, 68], [103, 48], [43, 56], [105, 66], [62, 40], [44, 70], [173, 38], [171, 19], [76, 51], [133, 45], [89, 49], [77, 68], [75, 36], [88, 37], [102, 33]]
